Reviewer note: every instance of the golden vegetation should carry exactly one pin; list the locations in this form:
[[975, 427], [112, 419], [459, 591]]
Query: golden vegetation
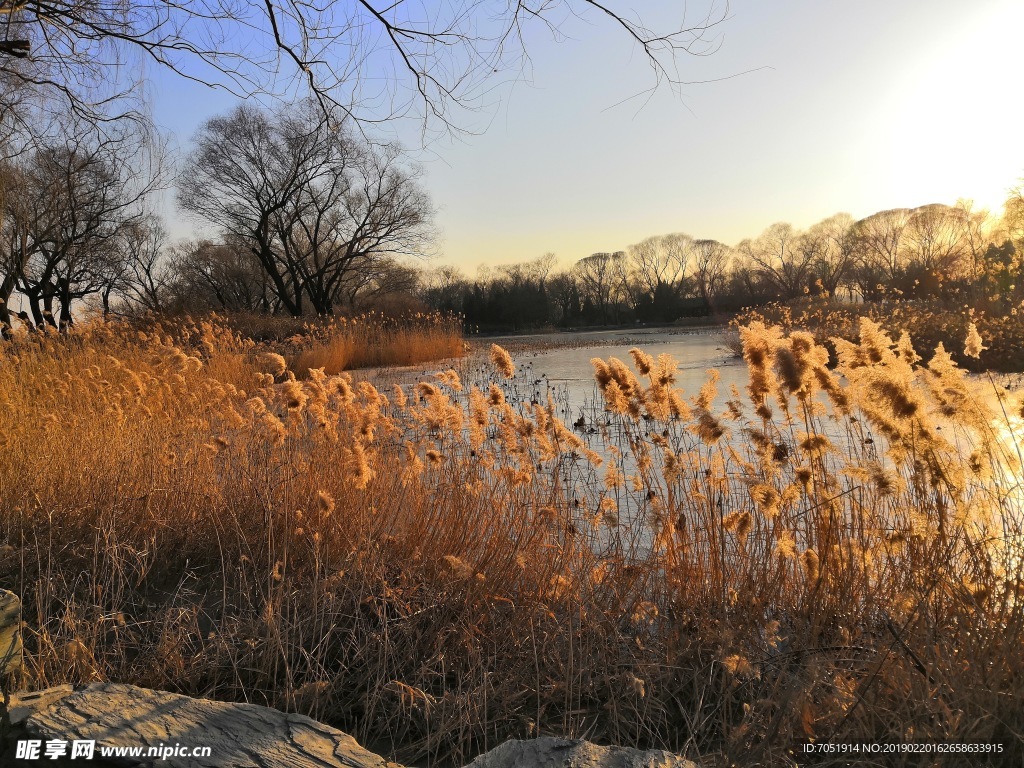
[[371, 339], [978, 340], [443, 566]]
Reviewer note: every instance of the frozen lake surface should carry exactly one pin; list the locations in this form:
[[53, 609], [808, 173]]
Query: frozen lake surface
[[562, 360]]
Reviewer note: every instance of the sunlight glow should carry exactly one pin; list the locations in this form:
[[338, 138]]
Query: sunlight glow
[[952, 123]]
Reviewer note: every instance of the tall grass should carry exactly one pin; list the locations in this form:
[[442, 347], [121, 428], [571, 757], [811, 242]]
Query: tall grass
[[439, 568], [929, 323], [373, 340]]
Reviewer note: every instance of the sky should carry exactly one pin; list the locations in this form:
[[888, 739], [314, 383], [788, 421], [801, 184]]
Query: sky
[[812, 107]]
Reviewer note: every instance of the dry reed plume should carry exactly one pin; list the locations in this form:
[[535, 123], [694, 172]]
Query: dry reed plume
[[835, 555], [994, 334], [371, 339]]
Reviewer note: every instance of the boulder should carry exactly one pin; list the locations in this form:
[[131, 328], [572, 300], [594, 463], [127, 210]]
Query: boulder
[[23, 705], [549, 752], [250, 736], [238, 735]]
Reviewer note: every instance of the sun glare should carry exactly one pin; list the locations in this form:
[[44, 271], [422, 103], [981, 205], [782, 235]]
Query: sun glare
[[952, 122]]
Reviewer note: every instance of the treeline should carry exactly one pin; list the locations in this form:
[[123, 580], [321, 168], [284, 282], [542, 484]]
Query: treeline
[[950, 253], [659, 280], [305, 218]]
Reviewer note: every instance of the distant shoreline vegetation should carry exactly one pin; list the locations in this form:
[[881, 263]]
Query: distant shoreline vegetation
[[950, 256], [952, 259]]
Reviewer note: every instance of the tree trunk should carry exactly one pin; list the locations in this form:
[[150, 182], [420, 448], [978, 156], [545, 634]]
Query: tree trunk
[[37, 312], [64, 291], [6, 289]]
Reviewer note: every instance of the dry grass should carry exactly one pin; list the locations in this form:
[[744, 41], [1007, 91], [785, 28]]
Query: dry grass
[[373, 340], [929, 323], [439, 569]]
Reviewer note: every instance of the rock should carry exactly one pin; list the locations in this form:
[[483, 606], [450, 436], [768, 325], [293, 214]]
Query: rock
[[250, 736], [10, 632], [24, 705], [548, 752], [238, 735]]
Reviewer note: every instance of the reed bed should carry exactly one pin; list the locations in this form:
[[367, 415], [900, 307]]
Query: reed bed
[[836, 556], [372, 339], [929, 322]]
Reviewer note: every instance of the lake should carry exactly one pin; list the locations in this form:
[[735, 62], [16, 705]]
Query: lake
[[561, 361]]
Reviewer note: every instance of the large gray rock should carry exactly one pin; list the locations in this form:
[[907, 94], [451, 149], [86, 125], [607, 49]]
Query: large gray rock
[[23, 705], [249, 736], [548, 752], [239, 735]]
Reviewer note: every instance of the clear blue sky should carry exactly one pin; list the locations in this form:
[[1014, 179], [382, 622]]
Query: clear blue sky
[[855, 107]]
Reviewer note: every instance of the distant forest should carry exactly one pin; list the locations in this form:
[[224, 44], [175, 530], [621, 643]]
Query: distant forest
[[950, 253]]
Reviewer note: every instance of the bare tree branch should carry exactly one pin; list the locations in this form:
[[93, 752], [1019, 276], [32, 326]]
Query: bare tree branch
[[435, 61]]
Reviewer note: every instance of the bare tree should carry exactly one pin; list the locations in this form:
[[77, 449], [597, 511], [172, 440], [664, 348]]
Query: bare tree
[[654, 276], [597, 278], [543, 265], [443, 288], [1012, 224], [565, 293], [16, 118], [139, 274], [660, 261], [879, 249], [59, 232], [745, 283], [937, 241], [520, 273], [829, 243], [10, 255], [977, 233], [222, 276], [777, 254], [377, 278], [313, 202], [710, 262]]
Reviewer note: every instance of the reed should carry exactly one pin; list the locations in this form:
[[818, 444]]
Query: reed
[[928, 322], [371, 340], [836, 554]]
